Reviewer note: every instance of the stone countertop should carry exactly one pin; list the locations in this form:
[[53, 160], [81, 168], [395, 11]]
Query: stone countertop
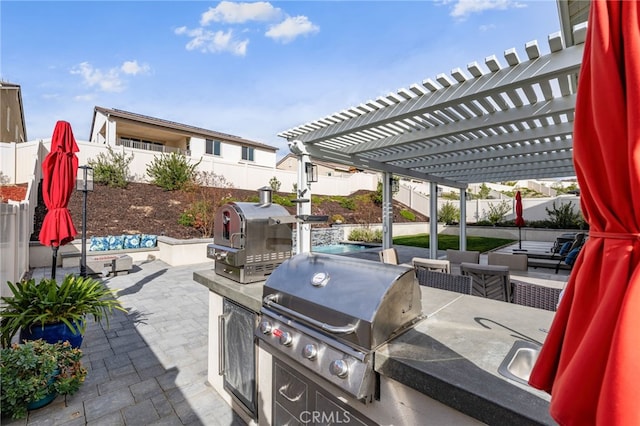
[[247, 295], [452, 355]]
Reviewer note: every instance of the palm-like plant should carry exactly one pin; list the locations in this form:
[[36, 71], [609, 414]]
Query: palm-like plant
[[45, 302]]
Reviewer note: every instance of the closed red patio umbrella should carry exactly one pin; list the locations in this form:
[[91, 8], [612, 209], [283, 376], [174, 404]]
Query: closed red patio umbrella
[[519, 218], [59, 170], [590, 361]]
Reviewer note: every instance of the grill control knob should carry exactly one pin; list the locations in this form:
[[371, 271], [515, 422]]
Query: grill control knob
[[265, 327], [310, 351], [339, 368], [286, 339]]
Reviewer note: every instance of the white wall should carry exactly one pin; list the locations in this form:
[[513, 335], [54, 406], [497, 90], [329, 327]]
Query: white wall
[[8, 163], [243, 175]]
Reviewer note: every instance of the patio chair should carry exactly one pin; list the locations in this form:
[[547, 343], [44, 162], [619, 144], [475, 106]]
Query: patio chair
[[515, 262], [389, 255], [443, 281], [490, 281], [460, 256], [438, 265], [535, 296]]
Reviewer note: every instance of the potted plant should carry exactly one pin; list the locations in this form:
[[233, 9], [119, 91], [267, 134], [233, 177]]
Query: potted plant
[[34, 373], [55, 312]]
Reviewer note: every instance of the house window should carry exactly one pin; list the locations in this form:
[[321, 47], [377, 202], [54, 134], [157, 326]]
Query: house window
[[247, 153], [213, 147]]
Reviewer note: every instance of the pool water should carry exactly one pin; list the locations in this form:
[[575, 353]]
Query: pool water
[[338, 248]]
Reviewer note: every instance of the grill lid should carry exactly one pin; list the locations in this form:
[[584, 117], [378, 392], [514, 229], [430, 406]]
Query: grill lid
[[359, 302]]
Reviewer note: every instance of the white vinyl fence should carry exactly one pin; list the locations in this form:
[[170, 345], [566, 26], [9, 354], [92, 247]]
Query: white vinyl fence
[[16, 227]]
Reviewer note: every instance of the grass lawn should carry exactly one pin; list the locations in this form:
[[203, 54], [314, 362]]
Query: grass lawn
[[481, 244]]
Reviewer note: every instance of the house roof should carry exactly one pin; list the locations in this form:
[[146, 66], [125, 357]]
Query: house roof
[[172, 125], [335, 166], [490, 123]]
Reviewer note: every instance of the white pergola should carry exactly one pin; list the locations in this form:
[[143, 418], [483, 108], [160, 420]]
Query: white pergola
[[492, 123]]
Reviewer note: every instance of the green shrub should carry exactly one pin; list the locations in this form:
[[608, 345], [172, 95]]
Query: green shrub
[[112, 168], [449, 214], [275, 184], [366, 235], [199, 215], [337, 218], [172, 171], [497, 212], [409, 215], [208, 192], [283, 201], [31, 371], [48, 302], [564, 216], [348, 203]]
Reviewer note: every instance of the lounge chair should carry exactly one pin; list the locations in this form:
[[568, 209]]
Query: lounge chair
[[561, 247]]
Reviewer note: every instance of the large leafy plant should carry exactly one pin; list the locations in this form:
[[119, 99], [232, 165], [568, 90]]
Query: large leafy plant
[[45, 302], [31, 371]]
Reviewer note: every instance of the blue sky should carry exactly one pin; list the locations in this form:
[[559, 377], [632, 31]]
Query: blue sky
[[251, 69]]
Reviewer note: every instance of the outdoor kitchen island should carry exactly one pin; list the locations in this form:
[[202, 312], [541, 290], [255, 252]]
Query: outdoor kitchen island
[[442, 371]]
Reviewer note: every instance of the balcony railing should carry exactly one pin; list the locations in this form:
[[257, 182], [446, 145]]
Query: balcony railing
[[151, 146]]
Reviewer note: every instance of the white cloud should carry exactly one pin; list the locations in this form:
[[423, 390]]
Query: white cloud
[[291, 28], [284, 29], [463, 8], [107, 81], [237, 13], [214, 41], [133, 68]]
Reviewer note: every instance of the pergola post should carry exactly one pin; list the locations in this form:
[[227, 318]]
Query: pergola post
[[463, 219], [387, 210], [433, 220]]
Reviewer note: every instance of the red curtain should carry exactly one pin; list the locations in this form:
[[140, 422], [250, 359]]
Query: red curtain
[[590, 361]]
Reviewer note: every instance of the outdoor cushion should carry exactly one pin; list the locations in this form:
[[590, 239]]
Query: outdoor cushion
[[572, 256], [148, 240], [99, 244], [116, 242], [132, 241], [565, 248]]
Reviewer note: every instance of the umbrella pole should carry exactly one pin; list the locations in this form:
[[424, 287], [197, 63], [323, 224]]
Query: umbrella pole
[[520, 237], [54, 262]]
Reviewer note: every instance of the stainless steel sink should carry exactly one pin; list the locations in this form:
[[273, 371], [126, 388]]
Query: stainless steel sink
[[519, 362]]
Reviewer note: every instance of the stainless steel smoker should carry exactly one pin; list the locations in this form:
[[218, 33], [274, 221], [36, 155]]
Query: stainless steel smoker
[[247, 246]]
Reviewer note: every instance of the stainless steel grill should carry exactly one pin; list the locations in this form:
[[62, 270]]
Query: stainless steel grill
[[247, 245], [329, 313]]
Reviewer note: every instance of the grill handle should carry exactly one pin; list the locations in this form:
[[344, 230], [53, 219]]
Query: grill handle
[[345, 329], [221, 342]]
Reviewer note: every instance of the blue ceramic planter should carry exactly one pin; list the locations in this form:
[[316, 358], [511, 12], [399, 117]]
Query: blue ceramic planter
[[42, 402], [52, 333], [34, 405]]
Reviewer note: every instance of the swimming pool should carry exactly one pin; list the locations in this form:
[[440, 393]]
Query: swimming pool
[[338, 248]]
